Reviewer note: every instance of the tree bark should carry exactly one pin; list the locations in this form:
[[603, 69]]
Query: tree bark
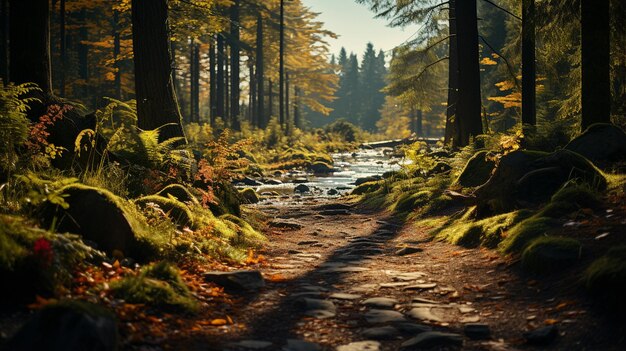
[[595, 51], [30, 43], [226, 88], [281, 66], [157, 106], [468, 111], [253, 116], [116, 55], [529, 109], [270, 104], [195, 83], [234, 66], [212, 85], [419, 127], [453, 76], [260, 74], [287, 112], [62, 47], [296, 109], [4, 41], [220, 88]]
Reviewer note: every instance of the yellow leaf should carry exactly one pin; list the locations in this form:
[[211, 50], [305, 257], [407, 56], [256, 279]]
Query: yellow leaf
[[219, 321], [486, 61]]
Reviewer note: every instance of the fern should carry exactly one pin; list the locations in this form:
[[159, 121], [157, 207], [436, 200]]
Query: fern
[[14, 126]]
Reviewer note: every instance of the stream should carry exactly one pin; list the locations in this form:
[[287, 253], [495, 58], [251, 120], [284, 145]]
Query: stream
[[349, 167]]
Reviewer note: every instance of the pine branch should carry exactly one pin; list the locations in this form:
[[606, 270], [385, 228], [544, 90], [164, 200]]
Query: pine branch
[[503, 9]]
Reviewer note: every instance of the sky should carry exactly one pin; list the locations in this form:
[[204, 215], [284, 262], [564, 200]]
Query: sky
[[356, 26]]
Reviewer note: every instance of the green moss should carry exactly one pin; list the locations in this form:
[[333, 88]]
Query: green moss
[[521, 234], [179, 192], [606, 278], [321, 167], [550, 254], [249, 196], [246, 235], [228, 200], [557, 209], [158, 285], [368, 187], [410, 201], [485, 232], [174, 209], [439, 203], [581, 195]]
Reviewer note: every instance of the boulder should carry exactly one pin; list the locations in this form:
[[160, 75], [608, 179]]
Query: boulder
[[333, 192], [97, 215], [532, 177], [68, 325], [249, 196], [247, 181], [179, 192], [603, 144], [477, 170], [177, 211], [364, 180], [550, 254], [301, 188], [321, 168], [237, 281]]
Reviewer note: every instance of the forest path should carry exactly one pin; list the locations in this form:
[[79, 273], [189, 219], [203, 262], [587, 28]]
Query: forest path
[[342, 275]]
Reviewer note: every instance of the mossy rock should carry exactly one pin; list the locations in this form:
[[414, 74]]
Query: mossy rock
[[477, 170], [180, 192], [158, 285], [439, 168], [249, 196], [321, 168], [531, 177], [228, 200], [410, 201], [518, 237], [605, 278], [551, 254], [603, 144], [580, 195], [367, 187], [177, 211], [68, 325], [97, 215]]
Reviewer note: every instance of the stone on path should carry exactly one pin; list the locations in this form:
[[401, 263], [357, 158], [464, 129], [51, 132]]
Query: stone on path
[[253, 344], [334, 212], [367, 345], [466, 309], [422, 286], [380, 333], [237, 280], [308, 242], [477, 331], [285, 224], [408, 250], [349, 269], [405, 276], [380, 302], [470, 319], [301, 345], [394, 284], [432, 339], [365, 287], [424, 314], [317, 308], [412, 328], [384, 316], [541, 336], [344, 296]]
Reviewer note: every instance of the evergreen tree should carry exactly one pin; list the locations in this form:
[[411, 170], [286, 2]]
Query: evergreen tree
[[372, 81]]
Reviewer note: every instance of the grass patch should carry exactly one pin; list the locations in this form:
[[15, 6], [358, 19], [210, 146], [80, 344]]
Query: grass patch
[[158, 285], [550, 254]]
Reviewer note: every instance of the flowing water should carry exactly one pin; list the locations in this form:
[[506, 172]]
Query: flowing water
[[349, 167]]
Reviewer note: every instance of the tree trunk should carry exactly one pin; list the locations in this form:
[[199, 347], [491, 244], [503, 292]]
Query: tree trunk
[[234, 66], [195, 83], [529, 109], [226, 89], [595, 51], [156, 98], [453, 76], [252, 105], [62, 47], [260, 74], [30, 43], [281, 66], [4, 41], [287, 115], [83, 51], [212, 85], [468, 110], [116, 55], [419, 128], [178, 81], [270, 104], [296, 109], [220, 88]]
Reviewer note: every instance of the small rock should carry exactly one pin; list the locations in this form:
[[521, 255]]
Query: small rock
[[384, 316], [308, 242], [412, 328], [273, 182], [424, 286], [285, 225], [393, 285], [319, 314], [301, 345], [408, 250], [477, 331], [424, 313], [237, 280], [466, 309], [367, 345], [380, 333], [333, 192], [253, 344], [344, 296], [470, 319], [541, 336], [249, 181], [334, 212], [432, 339], [380, 302], [349, 269], [301, 188]]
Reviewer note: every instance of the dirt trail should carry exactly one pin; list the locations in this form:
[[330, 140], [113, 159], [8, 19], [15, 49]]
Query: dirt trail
[[349, 275]]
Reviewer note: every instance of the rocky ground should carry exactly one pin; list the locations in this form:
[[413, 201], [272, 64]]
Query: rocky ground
[[338, 277]]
